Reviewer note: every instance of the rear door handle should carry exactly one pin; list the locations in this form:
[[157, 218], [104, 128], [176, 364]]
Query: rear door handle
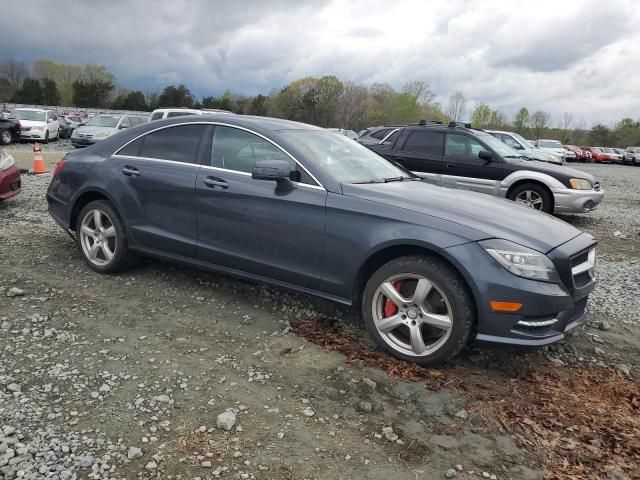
[[215, 182], [451, 165], [131, 171]]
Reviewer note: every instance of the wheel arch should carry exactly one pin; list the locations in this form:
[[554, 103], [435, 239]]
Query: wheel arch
[[540, 181], [88, 196], [389, 252]]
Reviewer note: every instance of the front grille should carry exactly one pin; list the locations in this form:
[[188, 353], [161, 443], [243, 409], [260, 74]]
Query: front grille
[[85, 135], [583, 267]]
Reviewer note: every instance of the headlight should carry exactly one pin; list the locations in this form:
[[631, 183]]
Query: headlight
[[580, 184], [103, 134], [37, 128], [521, 261], [6, 161]]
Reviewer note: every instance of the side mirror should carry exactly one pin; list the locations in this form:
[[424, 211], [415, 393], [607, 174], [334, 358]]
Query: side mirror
[[277, 170], [122, 127], [485, 155]]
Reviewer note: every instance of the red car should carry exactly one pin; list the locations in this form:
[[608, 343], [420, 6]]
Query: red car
[[10, 180], [598, 155]]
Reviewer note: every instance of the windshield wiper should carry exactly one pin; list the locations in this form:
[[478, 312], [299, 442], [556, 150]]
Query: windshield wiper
[[386, 180]]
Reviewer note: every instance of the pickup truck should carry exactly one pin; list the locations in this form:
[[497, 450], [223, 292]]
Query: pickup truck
[[9, 131], [459, 156]]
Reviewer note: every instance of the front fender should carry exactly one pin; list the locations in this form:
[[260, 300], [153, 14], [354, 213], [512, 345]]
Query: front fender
[[529, 175]]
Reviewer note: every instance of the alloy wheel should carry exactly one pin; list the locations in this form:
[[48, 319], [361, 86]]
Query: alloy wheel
[[5, 137], [531, 199], [98, 237], [412, 314]]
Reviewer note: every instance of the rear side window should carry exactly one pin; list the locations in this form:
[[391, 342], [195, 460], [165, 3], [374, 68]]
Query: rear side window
[[131, 150], [156, 116], [380, 134], [179, 144], [177, 114], [462, 146], [424, 142]]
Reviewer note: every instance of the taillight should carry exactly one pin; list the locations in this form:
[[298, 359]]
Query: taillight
[[59, 166]]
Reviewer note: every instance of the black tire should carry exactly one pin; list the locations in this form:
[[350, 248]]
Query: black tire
[[542, 192], [446, 280], [46, 137], [122, 257], [6, 137]]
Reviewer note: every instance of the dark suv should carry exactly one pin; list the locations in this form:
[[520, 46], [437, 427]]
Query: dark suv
[[457, 155]]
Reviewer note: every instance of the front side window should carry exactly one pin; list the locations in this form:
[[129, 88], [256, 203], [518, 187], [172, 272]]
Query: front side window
[[179, 144], [108, 121], [424, 142], [156, 116], [462, 146], [239, 150], [380, 134]]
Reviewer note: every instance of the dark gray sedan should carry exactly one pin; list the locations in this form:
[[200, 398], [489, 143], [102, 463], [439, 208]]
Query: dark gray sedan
[[430, 268]]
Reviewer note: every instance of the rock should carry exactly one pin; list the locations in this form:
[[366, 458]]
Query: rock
[[280, 435], [624, 369], [486, 475], [389, 434], [206, 464], [463, 414], [15, 292], [604, 326], [162, 399], [104, 388], [459, 467], [370, 383], [226, 420], [598, 351], [133, 453], [86, 461], [13, 387], [451, 473], [365, 407], [152, 465], [308, 412]]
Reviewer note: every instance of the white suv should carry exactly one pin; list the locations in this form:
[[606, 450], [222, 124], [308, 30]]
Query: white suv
[[162, 113], [36, 123]]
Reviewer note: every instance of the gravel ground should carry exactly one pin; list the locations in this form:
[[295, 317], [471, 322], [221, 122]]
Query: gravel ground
[[169, 372]]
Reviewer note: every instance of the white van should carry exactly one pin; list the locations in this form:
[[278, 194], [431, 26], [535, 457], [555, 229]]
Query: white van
[[162, 113], [36, 123]]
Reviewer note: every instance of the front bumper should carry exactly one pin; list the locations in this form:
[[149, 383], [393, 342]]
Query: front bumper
[[549, 310], [84, 142], [32, 135], [569, 200], [10, 182]]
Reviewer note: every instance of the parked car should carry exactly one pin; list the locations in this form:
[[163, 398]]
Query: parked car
[[36, 124], [463, 157], [597, 155], [581, 154], [632, 156], [65, 129], [347, 133], [619, 155], [9, 131], [162, 113], [614, 157], [74, 120], [294, 205], [375, 135], [524, 148], [10, 180], [102, 126], [555, 147]]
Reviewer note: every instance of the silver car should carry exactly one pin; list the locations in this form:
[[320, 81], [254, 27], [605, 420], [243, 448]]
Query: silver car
[[103, 126], [525, 148]]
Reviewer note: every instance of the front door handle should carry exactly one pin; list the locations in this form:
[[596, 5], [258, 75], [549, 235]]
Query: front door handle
[[451, 165], [215, 182], [131, 171]]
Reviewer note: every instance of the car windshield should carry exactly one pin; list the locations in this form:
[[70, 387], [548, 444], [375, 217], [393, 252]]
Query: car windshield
[[523, 140], [345, 160], [502, 149], [31, 115], [608, 150], [104, 121], [549, 144]]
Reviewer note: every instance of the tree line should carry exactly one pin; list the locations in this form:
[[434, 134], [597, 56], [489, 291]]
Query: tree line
[[326, 101]]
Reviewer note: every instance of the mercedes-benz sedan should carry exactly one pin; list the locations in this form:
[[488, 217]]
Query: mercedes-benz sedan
[[430, 268]]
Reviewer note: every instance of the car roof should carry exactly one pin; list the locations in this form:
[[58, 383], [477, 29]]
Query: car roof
[[25, 109]]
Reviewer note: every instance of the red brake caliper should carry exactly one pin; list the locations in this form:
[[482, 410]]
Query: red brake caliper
[[390, 308]]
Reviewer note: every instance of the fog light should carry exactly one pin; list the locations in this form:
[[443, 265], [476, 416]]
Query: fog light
[[505, 306]]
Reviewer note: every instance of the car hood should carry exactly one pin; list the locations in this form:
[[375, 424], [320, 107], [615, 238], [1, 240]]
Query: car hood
[[555, 151], [547, 167], [92, 130], [494, 217]]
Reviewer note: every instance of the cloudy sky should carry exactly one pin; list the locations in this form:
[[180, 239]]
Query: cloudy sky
[[579, 56]]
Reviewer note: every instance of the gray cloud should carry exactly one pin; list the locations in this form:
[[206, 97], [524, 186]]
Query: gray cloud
[[578, 56]]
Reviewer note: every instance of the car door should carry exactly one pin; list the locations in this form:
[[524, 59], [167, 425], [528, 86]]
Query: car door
[[52, 124], [156, 177], [420, 151], [463, 168], [255, 226]]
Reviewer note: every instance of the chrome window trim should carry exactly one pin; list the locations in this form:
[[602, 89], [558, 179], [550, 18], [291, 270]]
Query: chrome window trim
[[221, 124], [163, 160]]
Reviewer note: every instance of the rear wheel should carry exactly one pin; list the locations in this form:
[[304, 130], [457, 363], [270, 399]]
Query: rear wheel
[[418, 309], [533, 196], [6, 137], [101, 238], [46, 137]]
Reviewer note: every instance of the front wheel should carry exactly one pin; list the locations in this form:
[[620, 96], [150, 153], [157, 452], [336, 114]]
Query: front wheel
[[533, 196], [101, 238], [6, 137], [418, 309], [46, 137]]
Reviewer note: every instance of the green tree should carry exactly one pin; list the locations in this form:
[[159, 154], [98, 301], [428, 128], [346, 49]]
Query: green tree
[[6, 90], [92, 93], [257, 106], [599, 135], [130, 101], [30, 92], [539, 122], [481, 116], [50, 92], [173, 96], [521, 121]]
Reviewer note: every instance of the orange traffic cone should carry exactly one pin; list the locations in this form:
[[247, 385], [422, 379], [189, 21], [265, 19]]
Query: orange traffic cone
[[38, 161]]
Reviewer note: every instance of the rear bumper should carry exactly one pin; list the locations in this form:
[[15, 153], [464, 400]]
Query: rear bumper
[[10, 182], [568, 200]]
